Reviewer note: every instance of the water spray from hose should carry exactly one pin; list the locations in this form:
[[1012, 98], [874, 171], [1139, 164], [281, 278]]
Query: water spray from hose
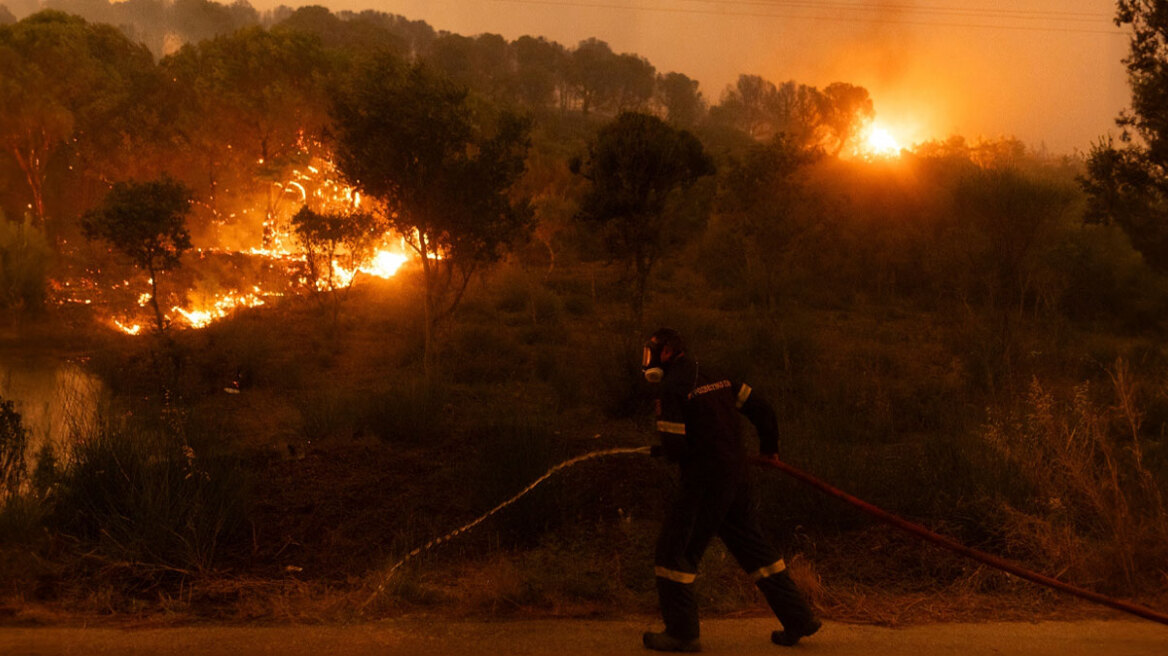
[[644, 450]]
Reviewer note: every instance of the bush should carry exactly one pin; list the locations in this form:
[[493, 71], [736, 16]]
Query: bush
[[521, 293], [13, 443], [24, 262], [1092, 508], [411, 414], [513, 452], [485, 354], [150, 495]]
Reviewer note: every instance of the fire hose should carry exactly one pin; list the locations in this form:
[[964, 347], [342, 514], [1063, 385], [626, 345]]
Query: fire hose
[[993, 561], [914, 529]]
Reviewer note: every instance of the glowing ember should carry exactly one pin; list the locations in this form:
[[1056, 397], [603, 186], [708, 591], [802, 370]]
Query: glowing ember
[[129, 329], [881, 144], [219, 308]]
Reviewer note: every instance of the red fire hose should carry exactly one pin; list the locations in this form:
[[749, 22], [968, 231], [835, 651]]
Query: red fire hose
[[993, 561]]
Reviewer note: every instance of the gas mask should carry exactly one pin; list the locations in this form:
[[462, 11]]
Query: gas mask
[[651, 364]]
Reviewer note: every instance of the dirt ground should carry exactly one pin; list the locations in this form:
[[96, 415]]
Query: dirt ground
[[423, 637]]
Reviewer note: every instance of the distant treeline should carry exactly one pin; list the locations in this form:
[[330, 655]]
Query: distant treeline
[[225, 98], [242, 107]]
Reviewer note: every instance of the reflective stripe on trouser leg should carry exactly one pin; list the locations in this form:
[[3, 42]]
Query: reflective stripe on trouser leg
[[674, 575], [773, 568]]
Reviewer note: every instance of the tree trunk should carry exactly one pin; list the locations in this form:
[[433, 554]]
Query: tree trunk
[[154, 299], [32, 164], [428, 284]]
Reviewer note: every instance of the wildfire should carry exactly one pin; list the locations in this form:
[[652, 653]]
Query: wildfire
[[219, 308], [315, 184], [881, 143], [129, 329]]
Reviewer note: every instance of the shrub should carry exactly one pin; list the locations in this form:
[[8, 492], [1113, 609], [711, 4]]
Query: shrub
[[485, 354], [150, 496], [521, 293], [19, 513], [1093, 508], [411, 414], [513, 452], [24, 261], [13, 443]]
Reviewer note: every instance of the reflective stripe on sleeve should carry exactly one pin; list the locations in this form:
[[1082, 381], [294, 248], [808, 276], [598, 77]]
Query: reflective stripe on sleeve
[[674, 575], [743, 394], [674, 427], [773, 568]]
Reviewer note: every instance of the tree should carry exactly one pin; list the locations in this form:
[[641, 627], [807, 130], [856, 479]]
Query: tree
[[747, 106], [253, 99], [765, 204], [680, 97], [200, 20], [353, 36], [61, 79], [145, 222], [589, 72], [540, 64], [407, 137], [1003, 222], [24, 263], [326, 236], [846, 110], [798, 111], [1128, 183], [633, 81], [641, 170]]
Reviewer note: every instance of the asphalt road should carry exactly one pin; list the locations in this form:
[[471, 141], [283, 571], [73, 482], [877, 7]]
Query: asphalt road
[[743, 637]]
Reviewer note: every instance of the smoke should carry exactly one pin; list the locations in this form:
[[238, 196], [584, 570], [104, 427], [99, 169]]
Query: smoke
[[880, 49]]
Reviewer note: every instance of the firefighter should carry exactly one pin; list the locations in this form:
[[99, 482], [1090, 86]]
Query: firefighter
[[698, 425]]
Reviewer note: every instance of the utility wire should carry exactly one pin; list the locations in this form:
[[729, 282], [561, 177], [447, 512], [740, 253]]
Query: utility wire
[[927, 9], [824, 18], [967, 10]]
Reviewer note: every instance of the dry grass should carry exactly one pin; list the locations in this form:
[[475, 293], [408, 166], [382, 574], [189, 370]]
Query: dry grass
[[1093, 512]]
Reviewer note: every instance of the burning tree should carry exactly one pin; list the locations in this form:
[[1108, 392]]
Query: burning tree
[[324, 235], [145, 221], [408, 137]]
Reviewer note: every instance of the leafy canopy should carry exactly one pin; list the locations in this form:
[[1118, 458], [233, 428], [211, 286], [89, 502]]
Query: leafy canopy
[[145, 221]]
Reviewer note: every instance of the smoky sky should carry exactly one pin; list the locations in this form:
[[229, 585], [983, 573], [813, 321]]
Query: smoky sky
[[1046, 71]]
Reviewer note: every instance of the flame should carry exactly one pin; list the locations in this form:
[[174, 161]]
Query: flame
[[220, 307], [129, 329], [881, 143], [316, 184], [385, 264]]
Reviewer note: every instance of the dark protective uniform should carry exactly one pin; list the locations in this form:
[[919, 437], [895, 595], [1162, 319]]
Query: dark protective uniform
[[699, 427]]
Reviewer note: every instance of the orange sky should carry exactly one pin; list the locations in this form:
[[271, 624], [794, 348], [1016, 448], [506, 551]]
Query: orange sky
[[1046, 71]]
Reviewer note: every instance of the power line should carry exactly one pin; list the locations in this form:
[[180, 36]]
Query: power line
[[940, 10], [966, 10], [585, 4]]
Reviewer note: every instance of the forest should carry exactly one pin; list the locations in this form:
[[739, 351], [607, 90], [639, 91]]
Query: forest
[[346, 281]]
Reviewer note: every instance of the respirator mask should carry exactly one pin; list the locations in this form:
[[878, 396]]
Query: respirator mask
[[651, 364]]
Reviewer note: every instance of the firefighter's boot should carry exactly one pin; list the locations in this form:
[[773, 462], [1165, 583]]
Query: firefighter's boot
[[665, 642], [789, 637]]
